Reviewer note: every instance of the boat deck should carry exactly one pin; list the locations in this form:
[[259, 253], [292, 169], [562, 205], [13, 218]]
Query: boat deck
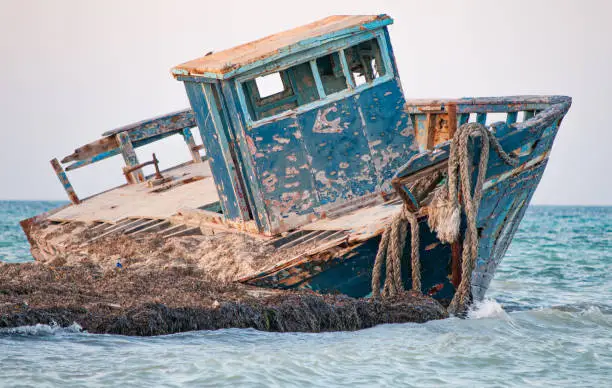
[[192, 187]]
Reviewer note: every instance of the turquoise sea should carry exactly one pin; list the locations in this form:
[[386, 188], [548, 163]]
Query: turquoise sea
[[547, 322]]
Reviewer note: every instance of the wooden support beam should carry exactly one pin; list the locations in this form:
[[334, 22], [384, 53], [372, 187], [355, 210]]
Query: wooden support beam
[[124, 224], [528, 114], [317, 78], [481, 118], [156, 126], [129, 155], [63, 178], [511, 118], [155, 227], [193, 231], [430, 124], [452, 119], [191, 144]]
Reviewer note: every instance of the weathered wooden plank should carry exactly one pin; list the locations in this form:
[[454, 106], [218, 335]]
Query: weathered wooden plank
[[63, 178], [191, 144], [486, 104], [193, 231], [93, 159], [452, 119], [244, 156], [92, 149], [511, 118], [113, 152], [481, 118], [317, 78], [528, 114], [273, 49], [159, 225], [129, 155], [171, 122]]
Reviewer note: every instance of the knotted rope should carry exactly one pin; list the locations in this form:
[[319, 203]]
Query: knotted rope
[[445, 212]]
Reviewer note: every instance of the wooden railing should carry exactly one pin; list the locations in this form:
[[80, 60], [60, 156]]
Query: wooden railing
[[124, 141], [436, 120]]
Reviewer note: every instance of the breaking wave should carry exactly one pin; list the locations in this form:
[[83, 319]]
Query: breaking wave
[[42, 330], [487, 308]]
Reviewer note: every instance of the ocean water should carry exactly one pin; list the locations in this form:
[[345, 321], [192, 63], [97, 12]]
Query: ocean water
[[547, 322]]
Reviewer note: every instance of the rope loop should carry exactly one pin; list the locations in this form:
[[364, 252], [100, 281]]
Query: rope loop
[[444, 218]]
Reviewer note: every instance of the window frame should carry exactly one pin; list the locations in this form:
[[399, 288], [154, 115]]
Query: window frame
[[311, 57]]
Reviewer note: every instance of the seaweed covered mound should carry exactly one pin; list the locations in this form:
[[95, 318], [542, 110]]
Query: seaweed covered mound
[[177, 299]]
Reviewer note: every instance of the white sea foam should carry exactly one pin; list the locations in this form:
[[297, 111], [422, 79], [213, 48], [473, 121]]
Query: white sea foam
[[42, 330], [487, 308]]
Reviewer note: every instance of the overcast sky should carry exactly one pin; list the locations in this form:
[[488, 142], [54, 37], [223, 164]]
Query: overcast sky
[[70, 70]]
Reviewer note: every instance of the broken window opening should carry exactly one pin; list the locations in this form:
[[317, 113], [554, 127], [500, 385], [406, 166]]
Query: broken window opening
[[331, 73], [365, 62], [267, 97], [269, 85], [284, 90]]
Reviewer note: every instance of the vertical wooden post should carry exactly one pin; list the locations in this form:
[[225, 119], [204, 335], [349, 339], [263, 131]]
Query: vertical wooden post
[[451, 109], [464, 118], [63, 178], [481, 118], [129, 155], [528, 114], [189, 140], [347, 72], [317, 78], [511, 118], [430, 124]]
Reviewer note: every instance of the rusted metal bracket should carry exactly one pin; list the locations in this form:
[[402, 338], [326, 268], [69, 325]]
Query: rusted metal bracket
[[129, 155], [127, 171]]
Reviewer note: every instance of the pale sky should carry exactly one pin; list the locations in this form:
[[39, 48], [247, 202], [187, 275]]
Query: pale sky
[[70, 70]]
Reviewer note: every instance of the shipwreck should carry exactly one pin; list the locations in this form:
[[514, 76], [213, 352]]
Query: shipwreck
[[313, 160]]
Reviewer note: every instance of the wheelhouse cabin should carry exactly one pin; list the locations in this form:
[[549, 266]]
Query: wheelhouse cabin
[[302, 124]]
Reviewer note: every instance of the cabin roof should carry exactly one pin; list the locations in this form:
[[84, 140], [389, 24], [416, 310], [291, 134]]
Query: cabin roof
[[226, 63]]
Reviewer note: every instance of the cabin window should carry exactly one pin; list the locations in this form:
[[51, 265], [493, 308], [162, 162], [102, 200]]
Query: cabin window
[[365, 62], [275, 93], [271, 94], [269, 85], [330, 71]]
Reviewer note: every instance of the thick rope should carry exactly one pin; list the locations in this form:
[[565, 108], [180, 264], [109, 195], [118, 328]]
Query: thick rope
[[446, 218], [390, 253]]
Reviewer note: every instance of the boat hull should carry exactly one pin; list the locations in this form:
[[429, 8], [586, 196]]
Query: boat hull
[[507, 193]]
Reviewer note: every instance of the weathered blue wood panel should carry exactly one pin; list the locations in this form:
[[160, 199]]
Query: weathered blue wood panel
[[244, 153], [388, 129], [171, 122], [335, 140], [283, 169], [63, 178], [219, 165]]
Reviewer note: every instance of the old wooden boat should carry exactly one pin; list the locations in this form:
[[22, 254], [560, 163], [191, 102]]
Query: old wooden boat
[[310, 147]]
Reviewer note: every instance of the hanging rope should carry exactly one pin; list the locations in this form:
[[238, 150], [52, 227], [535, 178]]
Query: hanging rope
[[445, 212], [444, 219], [390, 252]]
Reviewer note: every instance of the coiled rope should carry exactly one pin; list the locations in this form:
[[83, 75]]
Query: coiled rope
[[444, 219]]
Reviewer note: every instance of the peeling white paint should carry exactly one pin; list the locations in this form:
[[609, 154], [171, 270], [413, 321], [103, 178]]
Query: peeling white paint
[[323, 125]]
